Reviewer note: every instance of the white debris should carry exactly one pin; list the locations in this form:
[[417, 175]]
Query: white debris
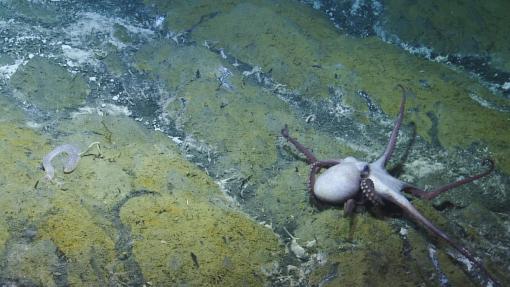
[[78, 56], [115, 110], [224, 77], [8, 70], [90, 23], [222, 53], [435, 262], [298, 251], [423, 167], [159, 22], [255, 70], [463, 259], [321, 258], [311, 243], [33, 125], [176, 140], [105, 109], [310, 118]]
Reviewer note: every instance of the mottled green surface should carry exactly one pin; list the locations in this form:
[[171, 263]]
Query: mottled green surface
[[114, 62], [76, 213], [37, 11], [4, 236], [49, 86], [121, 33], [72, 228], [9, 110], [463, 27], [35, 262], [146, 208], [288, 44], [6, 60], [228, 249], [242, 123], [303, 51]]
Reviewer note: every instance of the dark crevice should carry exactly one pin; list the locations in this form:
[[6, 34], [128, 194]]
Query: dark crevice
[[433, 132], [60, 270], [124, 244]]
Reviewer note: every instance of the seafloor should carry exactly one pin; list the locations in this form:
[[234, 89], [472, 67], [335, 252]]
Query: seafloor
[[193, 185]]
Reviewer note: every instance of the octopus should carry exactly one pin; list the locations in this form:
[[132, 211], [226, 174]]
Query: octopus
[[352, 181]]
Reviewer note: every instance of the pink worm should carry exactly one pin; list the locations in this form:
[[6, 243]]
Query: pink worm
[[73, 156]]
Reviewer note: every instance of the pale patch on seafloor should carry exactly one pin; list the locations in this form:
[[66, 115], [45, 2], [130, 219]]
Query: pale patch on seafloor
[[222, 184], [8, 70], [486, 104], [90, 23], [421, 167], [463, 260], [391, 38], [105, 109], [33, 125], [370, 153], [337, 109], [78, 56], [435, 262]]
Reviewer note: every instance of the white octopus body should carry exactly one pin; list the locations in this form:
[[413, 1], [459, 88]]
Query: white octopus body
[[342, 181], [339, 182]]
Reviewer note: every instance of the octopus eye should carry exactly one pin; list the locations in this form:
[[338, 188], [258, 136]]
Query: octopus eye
[[365, 172]]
